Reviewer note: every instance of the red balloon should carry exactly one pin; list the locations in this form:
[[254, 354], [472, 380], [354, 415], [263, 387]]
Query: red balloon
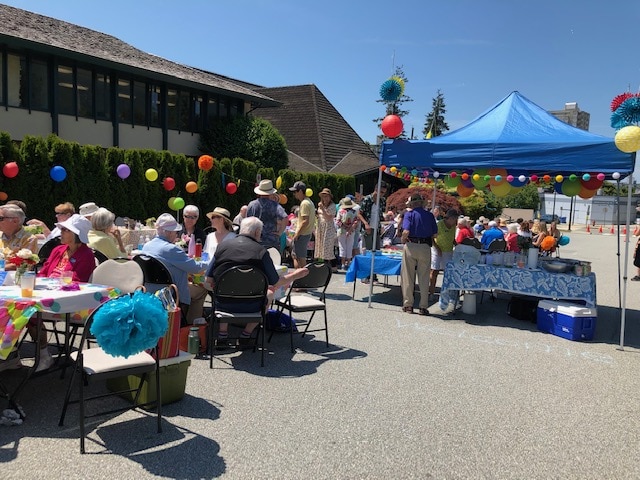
[[10, 170], [392, 126], [231, 188], [169, 184]]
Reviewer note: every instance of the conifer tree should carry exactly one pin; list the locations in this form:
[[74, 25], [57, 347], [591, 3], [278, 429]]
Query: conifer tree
[[435, 124]]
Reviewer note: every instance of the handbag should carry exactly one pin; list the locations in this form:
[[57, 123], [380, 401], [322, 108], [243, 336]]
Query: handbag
[[169, 344]]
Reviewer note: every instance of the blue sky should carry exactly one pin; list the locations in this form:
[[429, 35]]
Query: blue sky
[[475, 52]]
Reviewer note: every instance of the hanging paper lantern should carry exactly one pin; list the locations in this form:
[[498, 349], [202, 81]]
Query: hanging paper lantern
[[283, 199], [425, 173], [392, 126], [414, 172], [546, 178], [519, 179], [123, 171], [58, 173], [615, 175], [231, 188], [452, 181], [382, 169], [498, 179], [390, 90], [400, 82], [559, 178], [487, 178], [466, 179], [464, 191], [501, 189], [585, 193], [10, 170], [629, 110], [522, 179], [178, 203], [571, 189], [151, 175], [475, 177], [170, 202], [465, 176], [393, 169], [191, 187], [308, 192], [534, 178], [600, 176], [586, 177], [3, 196], [627, 139], [497, 175], [205, 162], [573, 177], [168, 184], [453, 174], [509, 178], [618, 99], [436, 174]]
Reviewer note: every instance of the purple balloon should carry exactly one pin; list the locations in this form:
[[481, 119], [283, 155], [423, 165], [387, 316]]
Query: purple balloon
[[123, 170]]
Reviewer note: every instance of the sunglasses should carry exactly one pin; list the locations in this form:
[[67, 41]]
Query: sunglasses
[[62, 213], [190, 217], [2, 219]]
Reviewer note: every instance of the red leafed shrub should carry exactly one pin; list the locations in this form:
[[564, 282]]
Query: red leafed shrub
[[399, 198]]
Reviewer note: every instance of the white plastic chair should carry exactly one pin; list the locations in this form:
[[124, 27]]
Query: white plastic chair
[[276, 258]]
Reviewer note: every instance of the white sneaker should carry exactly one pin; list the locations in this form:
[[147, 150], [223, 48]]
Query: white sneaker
[[446, 311], [45, 363]]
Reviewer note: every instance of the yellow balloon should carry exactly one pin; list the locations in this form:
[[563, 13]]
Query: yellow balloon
[[278, 182], [151, 175], [628, 139], [501, 189], [309, 192], [559, 178]]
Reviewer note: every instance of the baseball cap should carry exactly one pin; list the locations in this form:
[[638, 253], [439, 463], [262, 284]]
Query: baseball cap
[[298, 186], [167, 222]]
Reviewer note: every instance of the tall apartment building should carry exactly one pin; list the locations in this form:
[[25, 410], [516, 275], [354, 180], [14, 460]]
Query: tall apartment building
[[573, 115]]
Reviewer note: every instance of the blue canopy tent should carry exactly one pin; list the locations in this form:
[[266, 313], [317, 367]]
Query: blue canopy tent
[[523, 138]]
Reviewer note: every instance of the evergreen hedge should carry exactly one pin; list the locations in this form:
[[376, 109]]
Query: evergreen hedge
[[91, 176]]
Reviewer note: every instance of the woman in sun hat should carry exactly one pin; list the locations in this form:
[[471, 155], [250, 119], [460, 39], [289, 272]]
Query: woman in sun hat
[[325, 227], [222, 230], [347, 223]]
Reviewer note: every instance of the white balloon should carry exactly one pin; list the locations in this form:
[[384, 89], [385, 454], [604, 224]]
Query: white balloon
[[522, 178], [436, 174], [616, 175]]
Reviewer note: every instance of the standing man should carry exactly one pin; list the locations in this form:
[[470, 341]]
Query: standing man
[[305, 225], [270, 212], [418, 230], [371, 216]]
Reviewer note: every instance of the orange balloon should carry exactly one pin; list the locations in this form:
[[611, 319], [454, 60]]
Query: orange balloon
[[3, 196], [585, 193], [464, 191], [283, 199], [191, 187]]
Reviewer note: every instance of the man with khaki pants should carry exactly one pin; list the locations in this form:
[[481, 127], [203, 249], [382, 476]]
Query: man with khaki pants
[[418, 230]]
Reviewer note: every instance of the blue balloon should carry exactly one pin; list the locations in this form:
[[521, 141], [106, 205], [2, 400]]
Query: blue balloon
[[58, 173], [563, 240]]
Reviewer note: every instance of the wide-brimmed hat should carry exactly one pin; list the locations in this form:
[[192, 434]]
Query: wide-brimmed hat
[[265, 187], [77, 224], [221, 212], [346, 202], [167, 222], [326, 191], [503, 222], [298, 186], [87, 209]]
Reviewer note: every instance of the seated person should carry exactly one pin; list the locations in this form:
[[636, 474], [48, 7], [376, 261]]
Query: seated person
[[104, 236], [62, 211], [245, 249], [14, 236], [512, 238], [222, 230], [491, 234], [164, 248], [72, 255], [190, 216]]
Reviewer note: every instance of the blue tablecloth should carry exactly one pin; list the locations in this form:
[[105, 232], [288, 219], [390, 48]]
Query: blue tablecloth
[[536, 283], [383, 265]]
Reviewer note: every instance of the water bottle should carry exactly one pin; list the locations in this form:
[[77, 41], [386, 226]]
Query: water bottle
[[1, 261], [191, 250], [198, 252], [193, 345]]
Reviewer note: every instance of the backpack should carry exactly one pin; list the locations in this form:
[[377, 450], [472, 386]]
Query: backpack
[[279, 321]]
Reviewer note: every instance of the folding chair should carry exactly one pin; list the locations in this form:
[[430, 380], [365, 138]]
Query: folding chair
[[125, 276], [99, 256], [46, 249], [319, 277], [154, 270], [236, 286], [472, 242], [92, 365], [276, 258], [497, 245]]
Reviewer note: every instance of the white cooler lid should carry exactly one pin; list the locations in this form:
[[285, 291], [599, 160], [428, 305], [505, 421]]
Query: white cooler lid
[[568, 308]]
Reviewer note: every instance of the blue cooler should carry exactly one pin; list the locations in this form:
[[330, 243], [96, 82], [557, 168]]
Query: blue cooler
[[566, 320]]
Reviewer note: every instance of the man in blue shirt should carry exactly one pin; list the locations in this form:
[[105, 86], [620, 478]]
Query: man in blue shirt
[[418, 230], [179, 264], [491, 234], [270, 212]]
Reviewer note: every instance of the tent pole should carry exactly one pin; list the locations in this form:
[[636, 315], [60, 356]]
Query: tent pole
[[375, 236], [626, 265], [618, 235], [433, 200]]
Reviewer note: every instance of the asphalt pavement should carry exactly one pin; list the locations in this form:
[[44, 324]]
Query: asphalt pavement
[[481, 396]]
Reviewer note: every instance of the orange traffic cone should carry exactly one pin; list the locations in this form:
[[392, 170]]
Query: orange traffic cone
[[600, 229], [636, 231], [588, 228], [612, 231], [624, 230]]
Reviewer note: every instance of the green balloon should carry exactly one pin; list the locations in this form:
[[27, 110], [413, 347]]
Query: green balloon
[[452, 182], [481, 182], [571, 189], [178, 203]]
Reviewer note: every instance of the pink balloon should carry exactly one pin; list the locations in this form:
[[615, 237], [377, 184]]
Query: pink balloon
[[600, 176]]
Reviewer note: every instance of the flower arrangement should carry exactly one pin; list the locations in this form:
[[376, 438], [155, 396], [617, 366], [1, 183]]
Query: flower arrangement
[[33, 229], [24, 259], [150, 222]]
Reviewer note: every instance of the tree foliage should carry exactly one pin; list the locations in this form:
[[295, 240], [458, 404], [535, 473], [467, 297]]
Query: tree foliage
[[247, 137], [435, 124]]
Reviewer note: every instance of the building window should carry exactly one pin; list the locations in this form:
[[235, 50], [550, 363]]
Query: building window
[[125, 114], [198, 106], [66, 98], [184, 111], [39, 85], [172, 109], [2, 100], [103, 96], [212, 110], [17, 81], [223, 107], [155, 105], [236, 108], [139, 103], [84, 92]]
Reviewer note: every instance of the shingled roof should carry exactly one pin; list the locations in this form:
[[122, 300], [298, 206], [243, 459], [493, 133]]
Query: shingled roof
[[73, 41], [317, 136]]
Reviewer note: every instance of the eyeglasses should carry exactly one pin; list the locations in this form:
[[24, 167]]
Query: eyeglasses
[[2, 219], [62, 213], [191, 217]]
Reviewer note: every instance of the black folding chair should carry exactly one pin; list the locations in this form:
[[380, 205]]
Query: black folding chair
[[237, 286], [497, 245], [318, 278]]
